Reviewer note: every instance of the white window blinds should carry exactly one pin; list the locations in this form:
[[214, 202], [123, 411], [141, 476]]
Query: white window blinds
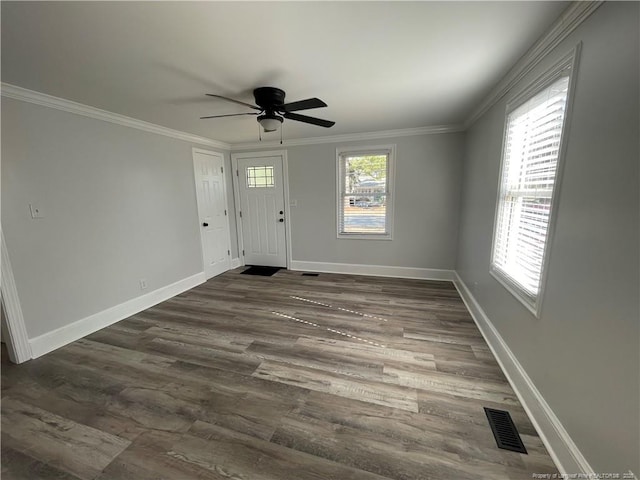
[[529, 166]]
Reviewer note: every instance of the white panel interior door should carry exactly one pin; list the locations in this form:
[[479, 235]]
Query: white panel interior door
[[261, 189], [212, 211]]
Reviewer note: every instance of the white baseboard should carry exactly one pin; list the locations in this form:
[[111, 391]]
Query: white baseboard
[[235, 263], [561, 447], [376, 270], [69, 333]]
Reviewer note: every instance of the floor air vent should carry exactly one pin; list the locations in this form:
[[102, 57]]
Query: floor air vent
[[504, 430], [310, 274]]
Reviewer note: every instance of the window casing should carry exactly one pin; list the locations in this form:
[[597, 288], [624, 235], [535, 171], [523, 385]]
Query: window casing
[[529, 179], [364, 192]]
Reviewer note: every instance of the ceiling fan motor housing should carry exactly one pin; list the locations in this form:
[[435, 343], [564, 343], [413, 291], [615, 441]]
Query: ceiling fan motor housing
[[269, 98]]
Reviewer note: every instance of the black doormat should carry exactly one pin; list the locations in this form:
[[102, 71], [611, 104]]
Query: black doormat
[[260, 270]]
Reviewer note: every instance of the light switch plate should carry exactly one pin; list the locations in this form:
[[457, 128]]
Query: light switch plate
[[36, 212]]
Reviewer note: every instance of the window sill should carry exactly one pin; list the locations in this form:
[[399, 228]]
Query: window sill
[[364, 236], [532, 306]]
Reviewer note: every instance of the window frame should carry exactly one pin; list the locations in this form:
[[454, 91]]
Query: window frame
[[569, 63], [390, 151]]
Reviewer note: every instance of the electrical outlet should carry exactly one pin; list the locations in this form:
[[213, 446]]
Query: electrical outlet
[[36, 212], [143, 284]]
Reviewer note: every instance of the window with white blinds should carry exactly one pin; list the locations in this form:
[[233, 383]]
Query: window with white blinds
[[364, 193], [531, 153]]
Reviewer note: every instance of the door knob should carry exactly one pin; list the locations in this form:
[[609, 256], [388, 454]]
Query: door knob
[[205, 224]]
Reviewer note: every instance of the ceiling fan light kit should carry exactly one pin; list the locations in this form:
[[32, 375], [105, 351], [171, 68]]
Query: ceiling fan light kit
[[270, 122], [272, 110]]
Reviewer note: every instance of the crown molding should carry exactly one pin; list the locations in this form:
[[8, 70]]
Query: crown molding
[[351, 137], [31, 96], [566, 23]]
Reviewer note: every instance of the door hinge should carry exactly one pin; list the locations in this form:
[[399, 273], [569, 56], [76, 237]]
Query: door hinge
[[221, 169], [243, 253], [237, 174], [240, 213], [228, 252], [225, 213]]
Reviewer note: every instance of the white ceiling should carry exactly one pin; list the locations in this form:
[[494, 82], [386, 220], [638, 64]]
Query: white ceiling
[[378, 65]]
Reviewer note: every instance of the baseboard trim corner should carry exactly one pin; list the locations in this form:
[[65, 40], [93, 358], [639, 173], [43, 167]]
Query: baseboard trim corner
[[81, 328], [375, 270], [555, 437], [235, 263]]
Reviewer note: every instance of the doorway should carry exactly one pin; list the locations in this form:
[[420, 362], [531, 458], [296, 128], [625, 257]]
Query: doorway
[[261, 190], [211, 193]]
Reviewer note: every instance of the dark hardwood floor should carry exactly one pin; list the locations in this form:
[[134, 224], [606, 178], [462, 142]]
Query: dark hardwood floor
[[285, 377]]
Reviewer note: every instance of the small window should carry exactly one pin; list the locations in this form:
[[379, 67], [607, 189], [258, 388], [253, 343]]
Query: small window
[[364, 192], [528, 182], [260, 177]]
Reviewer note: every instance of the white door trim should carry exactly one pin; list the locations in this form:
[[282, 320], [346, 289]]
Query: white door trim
[[18, 342], [195, 150], [236, 197]]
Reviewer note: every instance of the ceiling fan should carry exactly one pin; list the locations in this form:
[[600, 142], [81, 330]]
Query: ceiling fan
[[271, 109]]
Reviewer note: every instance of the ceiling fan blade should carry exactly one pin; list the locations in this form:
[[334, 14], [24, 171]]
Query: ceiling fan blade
[[302, 105], [234, 101], [312, 120], [229, 115]]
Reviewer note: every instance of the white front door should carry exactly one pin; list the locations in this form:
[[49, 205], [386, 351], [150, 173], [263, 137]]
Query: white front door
[[262, 212], [212, 211]]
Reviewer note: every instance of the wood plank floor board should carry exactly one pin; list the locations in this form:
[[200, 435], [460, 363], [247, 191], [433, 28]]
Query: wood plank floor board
[[302, 356], [69, 446], [203, 355], [438, 349], [228, 331], [466, 410], [470, 368], [20, 466], [241, 456], [229, 382], [341, 385], [154, 409], [349, 349], [251, 412], [443, 336], [122, 335], [81, 405], [206, 337], [468, 440], [240, 379], [435, 381], [432, 456], [148, 458], [114, 365]]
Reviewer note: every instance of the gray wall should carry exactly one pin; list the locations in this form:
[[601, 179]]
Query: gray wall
[[582, 353], [427, 192], [119, 204]]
